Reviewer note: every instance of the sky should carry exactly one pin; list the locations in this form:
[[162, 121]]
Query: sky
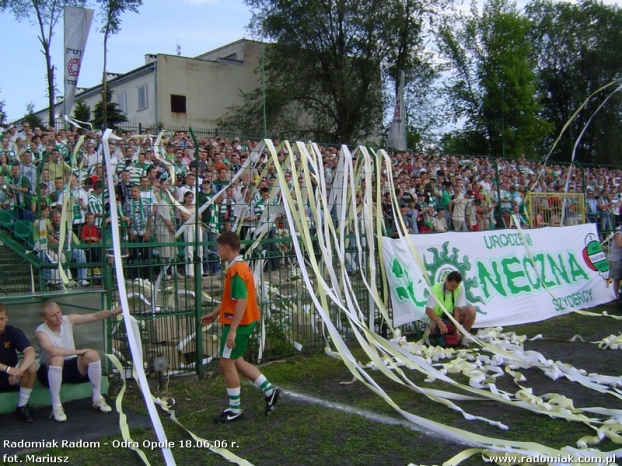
[[196, 25]]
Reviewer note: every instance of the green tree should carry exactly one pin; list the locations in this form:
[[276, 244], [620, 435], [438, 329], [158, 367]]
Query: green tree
[[45, 14], [31, 117], [573, 50], [492, 87], [113, 112], [406, 51], [326, 63], [111, 11], [81, 111]]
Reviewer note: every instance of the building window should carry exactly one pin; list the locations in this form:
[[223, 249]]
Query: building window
[[178, 103], [122, 102], [143, 103]]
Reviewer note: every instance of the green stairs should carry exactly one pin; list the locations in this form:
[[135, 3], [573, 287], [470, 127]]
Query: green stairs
[[15, 273], [40, 395]]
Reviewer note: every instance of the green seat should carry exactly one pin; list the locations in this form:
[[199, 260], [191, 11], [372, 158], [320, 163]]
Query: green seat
[[22, 230], [6, 219]]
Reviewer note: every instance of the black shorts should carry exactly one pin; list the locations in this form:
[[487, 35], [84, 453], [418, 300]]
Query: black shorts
[[71, 374], [5, 386]]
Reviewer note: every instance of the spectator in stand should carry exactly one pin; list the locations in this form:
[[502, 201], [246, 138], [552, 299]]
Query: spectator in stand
[[20, 188], [227, 206], [471, 211], [78, 203], [458, 217], [5, 196], [483, 211], [187, 211], [407, 228], [604, 210], [180, 165], [5, 168], [518, 218], [165, 228], [210, 219], [96, 203], [28, 169], [56, 166], [139, 213], [445, 201], [52, 254], [91, 234], [440, 225], [124, 187], [413, 214]]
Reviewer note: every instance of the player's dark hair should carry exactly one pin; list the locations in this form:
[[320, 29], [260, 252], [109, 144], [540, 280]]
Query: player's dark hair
[[229, 238]]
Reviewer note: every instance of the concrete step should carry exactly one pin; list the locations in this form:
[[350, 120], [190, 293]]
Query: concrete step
[[40, 395]]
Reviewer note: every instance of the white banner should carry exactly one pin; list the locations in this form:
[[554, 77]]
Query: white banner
[[77, 26], [509, 282], [397, 131]]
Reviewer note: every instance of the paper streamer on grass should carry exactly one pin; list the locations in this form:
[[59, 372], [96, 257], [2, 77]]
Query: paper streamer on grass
[[136, 349], [166, 404], [327, 291], [133, 339]]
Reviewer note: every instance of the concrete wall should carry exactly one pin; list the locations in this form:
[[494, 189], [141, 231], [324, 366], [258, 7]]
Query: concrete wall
[[210, 87], [211, 83], [25, 315]]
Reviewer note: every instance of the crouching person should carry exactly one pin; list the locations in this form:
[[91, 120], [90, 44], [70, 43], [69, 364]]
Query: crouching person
[[453, 296]]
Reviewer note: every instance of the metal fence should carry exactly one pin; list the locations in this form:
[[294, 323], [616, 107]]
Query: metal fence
[[555, 209], [169, 309]]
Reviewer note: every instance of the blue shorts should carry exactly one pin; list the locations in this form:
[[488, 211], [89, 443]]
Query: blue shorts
[[5, 386]]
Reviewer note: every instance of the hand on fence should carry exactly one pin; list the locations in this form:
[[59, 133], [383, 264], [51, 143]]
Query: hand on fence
[[208, 318]]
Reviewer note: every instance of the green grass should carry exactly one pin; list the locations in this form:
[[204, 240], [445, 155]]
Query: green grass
[[300, 433]]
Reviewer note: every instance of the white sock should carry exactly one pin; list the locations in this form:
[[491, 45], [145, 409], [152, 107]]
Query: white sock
[[94, 371], [55, 379], [24, 396], [234, 399], [266, 387]]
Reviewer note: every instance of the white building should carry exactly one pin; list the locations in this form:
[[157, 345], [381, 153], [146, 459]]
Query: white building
[[176, 91]]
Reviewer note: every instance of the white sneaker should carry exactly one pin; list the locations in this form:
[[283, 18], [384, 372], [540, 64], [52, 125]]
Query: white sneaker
[[101, 405], [58, 414], [464, 342], [83, 283]]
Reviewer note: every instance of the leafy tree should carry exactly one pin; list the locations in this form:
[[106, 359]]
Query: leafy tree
[[111, 11], [31, 117], [113, 112], [492, 85], [81, 111], [573, 52], [45, 14], [326, 63]]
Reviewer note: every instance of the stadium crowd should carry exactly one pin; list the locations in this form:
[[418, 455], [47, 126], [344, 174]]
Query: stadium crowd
[[435, 193]]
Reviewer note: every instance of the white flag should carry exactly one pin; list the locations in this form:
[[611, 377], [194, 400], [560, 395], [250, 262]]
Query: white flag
[[397, 130], [77, 25]]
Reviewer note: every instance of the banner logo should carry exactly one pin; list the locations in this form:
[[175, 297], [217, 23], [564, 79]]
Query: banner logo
[[594, 256], [73, 67]]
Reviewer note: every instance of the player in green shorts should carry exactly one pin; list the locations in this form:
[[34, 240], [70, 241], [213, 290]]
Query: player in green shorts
[[238, 312]]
